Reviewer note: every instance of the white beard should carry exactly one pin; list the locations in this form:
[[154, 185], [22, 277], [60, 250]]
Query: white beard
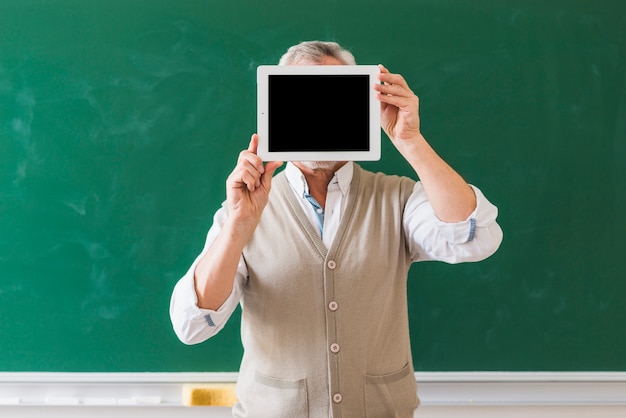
[[321, 165]]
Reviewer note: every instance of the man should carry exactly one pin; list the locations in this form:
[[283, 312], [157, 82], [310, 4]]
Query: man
[[324, 303]]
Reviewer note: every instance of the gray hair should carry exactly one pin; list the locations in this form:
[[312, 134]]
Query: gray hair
[[315, 51]]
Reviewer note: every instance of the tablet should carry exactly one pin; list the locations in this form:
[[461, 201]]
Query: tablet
[[318, 113]]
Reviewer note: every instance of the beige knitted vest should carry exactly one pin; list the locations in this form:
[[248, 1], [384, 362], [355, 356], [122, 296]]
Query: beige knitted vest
[[327, 328]]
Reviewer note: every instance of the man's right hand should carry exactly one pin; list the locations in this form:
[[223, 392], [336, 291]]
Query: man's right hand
[[247, 191], [248, 186]]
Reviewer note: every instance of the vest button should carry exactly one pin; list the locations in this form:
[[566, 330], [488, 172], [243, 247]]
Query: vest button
[[331, 264], [333, 306], [337, 398], [334, 348]]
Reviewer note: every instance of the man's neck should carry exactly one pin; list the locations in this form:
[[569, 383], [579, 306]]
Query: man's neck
[[318, 176]]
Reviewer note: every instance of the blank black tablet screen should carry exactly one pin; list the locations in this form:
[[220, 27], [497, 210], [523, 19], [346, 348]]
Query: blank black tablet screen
[[318, 113]]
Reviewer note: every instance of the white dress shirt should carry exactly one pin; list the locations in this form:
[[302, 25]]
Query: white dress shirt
[[429, 239]]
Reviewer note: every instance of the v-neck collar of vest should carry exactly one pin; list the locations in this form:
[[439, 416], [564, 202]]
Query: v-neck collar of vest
[[285, 190]]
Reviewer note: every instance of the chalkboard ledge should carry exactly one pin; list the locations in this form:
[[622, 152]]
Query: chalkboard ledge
[[435, 389]]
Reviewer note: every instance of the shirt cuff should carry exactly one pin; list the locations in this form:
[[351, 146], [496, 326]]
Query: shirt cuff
[[484, 214], [191, 323], [186, 295]]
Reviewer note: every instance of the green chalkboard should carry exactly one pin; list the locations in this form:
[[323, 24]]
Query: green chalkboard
[[120, 120]]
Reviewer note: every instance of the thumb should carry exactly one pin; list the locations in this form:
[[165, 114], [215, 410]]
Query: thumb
[[270, 169]]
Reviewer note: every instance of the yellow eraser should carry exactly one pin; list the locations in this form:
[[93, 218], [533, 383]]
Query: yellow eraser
[[209, 394]]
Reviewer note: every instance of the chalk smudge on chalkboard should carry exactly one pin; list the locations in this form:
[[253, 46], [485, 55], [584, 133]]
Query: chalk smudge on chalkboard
[[21, 130], [166, 52], [101, 302], [82, 204], [10, 289]]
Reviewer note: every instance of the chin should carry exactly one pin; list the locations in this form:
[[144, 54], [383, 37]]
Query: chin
[[321, 165]]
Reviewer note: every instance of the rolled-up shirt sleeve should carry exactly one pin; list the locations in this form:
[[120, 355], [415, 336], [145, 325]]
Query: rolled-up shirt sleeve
[[191, 323], [429, 238]]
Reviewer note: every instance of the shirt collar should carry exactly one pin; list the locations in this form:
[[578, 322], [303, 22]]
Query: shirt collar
[[342, 177]]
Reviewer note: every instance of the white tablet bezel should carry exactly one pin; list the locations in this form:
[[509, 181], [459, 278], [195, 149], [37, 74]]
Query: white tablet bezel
[[263, 73]]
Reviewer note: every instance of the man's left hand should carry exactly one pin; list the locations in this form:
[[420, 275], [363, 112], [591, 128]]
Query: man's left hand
[[399, 115]]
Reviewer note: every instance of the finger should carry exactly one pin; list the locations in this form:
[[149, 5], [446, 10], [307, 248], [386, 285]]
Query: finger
[[239, 179], [245, 173], [399, 101], [383, 70], [394, 79], [251, 158], [250, 181], [254, 143], [383, 106], [394, 90], [250, 175]]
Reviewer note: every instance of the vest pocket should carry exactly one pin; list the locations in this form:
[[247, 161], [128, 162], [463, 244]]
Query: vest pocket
[[278, 398], [391, 395]]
